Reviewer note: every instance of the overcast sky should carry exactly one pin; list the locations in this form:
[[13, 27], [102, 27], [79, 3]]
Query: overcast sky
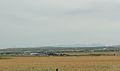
[[26, 23]]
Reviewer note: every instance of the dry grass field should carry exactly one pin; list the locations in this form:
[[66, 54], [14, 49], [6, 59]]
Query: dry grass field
[[81, 63], [94, 53]]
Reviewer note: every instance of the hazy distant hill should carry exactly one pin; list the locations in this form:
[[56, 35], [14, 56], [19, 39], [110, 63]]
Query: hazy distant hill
[[82, 45]]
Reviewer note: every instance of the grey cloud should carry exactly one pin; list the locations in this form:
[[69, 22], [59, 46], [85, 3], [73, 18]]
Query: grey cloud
[[51, 22]]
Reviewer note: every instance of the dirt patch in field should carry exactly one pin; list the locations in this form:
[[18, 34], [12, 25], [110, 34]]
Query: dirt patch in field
[[4, 58]]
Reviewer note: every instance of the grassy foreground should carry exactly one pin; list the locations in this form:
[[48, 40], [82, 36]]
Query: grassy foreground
[[82, 63]]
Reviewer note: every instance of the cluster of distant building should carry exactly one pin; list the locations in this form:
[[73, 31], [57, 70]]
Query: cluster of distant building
[[47, 54]]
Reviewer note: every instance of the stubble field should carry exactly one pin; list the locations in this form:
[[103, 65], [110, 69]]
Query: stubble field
[[81, 63]]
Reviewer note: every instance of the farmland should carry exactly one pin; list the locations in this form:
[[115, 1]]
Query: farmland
[[63, 59], [63, 63]]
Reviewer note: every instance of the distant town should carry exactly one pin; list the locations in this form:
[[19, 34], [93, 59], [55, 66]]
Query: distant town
[[62, 51]]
